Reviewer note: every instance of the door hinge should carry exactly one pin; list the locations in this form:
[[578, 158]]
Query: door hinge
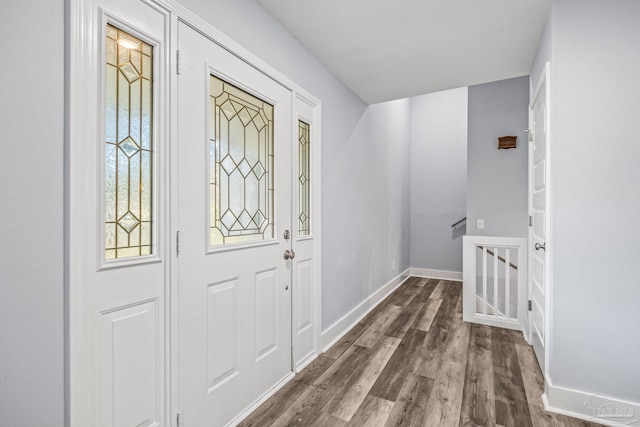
[[177, 243], [179, 418], [178, 63], [529, 133], [530, 305], [530, 221]]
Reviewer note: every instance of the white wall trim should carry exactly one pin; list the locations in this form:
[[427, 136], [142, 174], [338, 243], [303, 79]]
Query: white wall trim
[[437, 274], [218, 37], [548, 298], [583, 405], [336, 331], [305, 361], [248, 411]]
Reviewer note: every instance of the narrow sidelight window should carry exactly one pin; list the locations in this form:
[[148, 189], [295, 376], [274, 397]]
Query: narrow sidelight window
[[304, 185], [128, 146]]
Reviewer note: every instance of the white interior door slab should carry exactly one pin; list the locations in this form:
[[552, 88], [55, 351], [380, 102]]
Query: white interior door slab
[[234, 197], [539, 196]]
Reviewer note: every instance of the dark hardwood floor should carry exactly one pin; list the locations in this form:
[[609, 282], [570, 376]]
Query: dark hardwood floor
[[413, 362]]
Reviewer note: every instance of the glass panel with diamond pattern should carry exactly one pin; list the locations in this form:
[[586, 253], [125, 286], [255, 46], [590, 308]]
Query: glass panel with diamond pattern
[[128, 145], [304, 185], [241, 166]]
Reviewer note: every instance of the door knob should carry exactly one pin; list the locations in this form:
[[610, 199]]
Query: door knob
[[539, 246], [289, 254]]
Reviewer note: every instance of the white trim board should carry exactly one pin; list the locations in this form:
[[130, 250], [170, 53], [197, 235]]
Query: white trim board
[[590, 406], [436, 274], [336, 331], [248, 411], [305, 361], [340, 328]]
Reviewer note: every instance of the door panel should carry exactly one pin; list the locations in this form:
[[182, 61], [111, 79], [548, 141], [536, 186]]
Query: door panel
[[222, 350], [234, 203], [538, 164], [131, 335], [266, 306]]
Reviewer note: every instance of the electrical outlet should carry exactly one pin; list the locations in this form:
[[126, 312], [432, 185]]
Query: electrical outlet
[[480, 224]]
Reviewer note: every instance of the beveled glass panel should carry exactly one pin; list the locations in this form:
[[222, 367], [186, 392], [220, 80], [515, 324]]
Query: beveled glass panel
[[241, 165], [128, 146], [304, 184]]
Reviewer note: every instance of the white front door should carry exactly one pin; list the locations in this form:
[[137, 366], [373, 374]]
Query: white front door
[[539, 196], [234, 205]]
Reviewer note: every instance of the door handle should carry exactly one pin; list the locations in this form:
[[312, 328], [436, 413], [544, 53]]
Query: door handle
[[289, 254], [539, 246]]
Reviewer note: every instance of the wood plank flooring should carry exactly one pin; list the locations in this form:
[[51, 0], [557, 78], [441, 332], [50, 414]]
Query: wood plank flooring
[[413, 362]]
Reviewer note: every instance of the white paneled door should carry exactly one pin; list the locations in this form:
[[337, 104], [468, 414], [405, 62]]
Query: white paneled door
[[539, 235], [234, 204]]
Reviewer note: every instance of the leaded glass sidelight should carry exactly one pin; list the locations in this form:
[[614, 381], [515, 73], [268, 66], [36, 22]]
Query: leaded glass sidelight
[[241, 166], [304, 185], [128, 145]]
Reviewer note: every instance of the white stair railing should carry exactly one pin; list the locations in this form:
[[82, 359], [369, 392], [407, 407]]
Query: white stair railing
[[494, 281]]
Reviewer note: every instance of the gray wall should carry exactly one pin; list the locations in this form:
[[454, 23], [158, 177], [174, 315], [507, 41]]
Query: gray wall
[[365, 197], [366, 209], [438, 177], [31, 217], [497, 179], [595, 149], [542, 55], [594, 175]]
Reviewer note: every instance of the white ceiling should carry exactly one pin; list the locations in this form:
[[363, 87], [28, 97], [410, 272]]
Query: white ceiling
[[385, 49]]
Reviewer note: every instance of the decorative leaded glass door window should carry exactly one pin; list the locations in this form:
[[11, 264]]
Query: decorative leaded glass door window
[[128, 146], [304, 185], [241, 165]]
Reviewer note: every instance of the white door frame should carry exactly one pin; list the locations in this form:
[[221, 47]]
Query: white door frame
[[543, 81], [83, 88]]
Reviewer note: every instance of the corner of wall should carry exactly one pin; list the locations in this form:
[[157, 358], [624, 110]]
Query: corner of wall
[[337, 330]]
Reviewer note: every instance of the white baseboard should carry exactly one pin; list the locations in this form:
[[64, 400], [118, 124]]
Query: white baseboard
[[592, 407], [306, 360], [244, 414], [336, 331], [437, 274]]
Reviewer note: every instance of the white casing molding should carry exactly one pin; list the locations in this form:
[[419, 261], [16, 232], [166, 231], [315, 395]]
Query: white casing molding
[[437, 274], [590, 406]]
